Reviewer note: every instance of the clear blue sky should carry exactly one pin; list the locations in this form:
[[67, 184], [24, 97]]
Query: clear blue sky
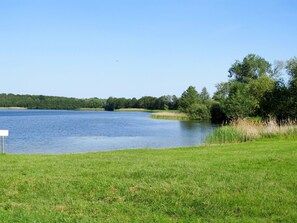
[[132, 48]]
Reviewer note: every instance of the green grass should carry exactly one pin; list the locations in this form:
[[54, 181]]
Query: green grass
[[90, 109], [170, 115], [246, 182], [225, 134], [144, 110]]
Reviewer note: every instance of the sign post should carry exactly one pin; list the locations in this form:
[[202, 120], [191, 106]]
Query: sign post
[[3, 133]]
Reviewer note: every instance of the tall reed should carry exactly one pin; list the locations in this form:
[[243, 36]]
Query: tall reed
[[242, 130]]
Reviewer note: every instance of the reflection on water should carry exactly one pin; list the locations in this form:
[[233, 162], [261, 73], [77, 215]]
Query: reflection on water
[[189, 125], [43, 131], [194, 133], [193, 126]]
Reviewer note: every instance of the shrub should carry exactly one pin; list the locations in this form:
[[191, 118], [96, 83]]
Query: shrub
[[217, 114], [198, 112]]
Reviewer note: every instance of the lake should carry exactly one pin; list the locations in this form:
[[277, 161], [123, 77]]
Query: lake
[[55, 131]]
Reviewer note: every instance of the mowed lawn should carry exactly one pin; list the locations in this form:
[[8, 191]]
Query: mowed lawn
[[248, 182]]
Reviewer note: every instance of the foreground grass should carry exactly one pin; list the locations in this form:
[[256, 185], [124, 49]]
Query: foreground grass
[[247, 182]]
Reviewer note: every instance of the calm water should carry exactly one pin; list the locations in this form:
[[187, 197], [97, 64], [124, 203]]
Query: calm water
[[43, 131]]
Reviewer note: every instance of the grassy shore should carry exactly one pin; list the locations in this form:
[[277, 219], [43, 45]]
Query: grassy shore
[[247, 182], [133, 110], [159, 114], [12, 108], [170, 115], [90, 109]]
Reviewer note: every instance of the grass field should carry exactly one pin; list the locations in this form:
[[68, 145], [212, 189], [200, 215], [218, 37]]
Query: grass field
[[247, 182]]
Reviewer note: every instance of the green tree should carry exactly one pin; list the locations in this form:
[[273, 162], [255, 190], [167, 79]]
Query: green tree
[[188, 98], [251, 67], [192, 104], [222, 92], [258, 88], [110, 104], [276, 103], [198, 112], [291, 68], [243, 95], [204, 94], [147, 102], [239, 103]]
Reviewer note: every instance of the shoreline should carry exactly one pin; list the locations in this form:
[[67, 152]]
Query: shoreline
[[13, 108], [156, 114], [199, 146], [170, 116]]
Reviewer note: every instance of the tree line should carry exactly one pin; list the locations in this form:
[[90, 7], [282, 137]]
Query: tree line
[[255, 88], [166, 102], [48, 102]]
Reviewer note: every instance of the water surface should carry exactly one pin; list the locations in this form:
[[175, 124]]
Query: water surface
[[50, 131]]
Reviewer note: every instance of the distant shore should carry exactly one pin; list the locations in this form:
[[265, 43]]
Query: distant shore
[[170, 115], [90, 109], [133, 110], [159, 114], [13, 108], [156, 114]]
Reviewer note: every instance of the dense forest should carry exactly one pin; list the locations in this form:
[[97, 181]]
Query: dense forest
[[48, 102], [52, 102], [256, 88]]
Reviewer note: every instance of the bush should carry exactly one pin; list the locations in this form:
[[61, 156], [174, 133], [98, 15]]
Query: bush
[[217, 114], [198, 112]]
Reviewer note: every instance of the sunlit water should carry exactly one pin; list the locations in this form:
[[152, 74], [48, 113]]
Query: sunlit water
[[44, 131]]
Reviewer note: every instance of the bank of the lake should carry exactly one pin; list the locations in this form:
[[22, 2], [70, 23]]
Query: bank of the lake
[[247, 182], [133, 110], [170, 115], [156, 114], [13, 108], [159, 114], [90, 109]]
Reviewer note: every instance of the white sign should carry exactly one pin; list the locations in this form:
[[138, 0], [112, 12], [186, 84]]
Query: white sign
[[3, 132]]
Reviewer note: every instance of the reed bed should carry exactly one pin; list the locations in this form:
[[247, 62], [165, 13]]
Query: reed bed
[[170, 116], [243, 130]]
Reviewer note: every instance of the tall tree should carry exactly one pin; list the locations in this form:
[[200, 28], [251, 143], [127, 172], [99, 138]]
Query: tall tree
[[192, 104], [251, 79], [251, 67], [291, 68], [240, 103], [204, 94], [189, 97]]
